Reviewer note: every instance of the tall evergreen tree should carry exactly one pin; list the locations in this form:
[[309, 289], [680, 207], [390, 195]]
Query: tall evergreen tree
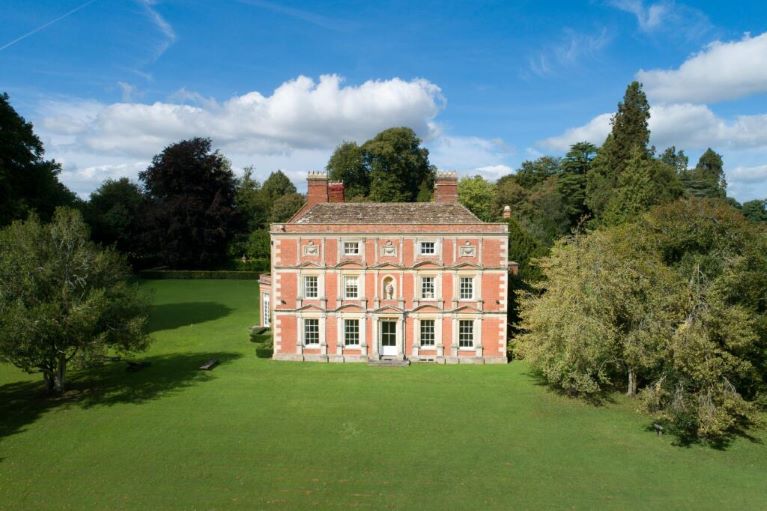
[[572, 182], [629, 133], [677, 159], [707, 178]]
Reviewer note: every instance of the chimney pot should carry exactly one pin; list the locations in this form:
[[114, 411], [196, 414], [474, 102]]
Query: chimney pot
[[506, 212]]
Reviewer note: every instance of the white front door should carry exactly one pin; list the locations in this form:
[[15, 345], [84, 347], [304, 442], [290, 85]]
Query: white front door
[[388, 338]]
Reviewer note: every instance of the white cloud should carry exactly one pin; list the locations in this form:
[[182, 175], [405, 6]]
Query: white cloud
[[694, 128], [683, 125], [667, 17], [165, 28], [295, 128], [721, 71], [568, 51], [648, 18], [471, 155], [747, 183], [594, 131]]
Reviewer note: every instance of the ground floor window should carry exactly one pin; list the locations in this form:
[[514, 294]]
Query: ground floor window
[[427, 332], [466, 333], [311, 331], [351, 332], [267, 312]]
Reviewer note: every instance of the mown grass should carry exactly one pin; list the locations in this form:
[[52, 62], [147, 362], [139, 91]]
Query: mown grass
[[258, 434]]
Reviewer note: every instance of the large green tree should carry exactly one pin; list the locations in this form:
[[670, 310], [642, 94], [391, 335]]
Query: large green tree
[[629, 134], [398, 165], [63, 299], [672, 305], [572, 181], [478, 195], [277, 185], [114, 213], [755, 210], [193, 215], [347, 164], [707, 178], [28, 182], [644, 183]]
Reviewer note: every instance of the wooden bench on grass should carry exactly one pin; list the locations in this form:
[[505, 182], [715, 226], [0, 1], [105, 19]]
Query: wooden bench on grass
[[210, 364]]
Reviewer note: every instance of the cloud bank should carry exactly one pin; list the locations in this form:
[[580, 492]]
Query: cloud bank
[[722, 71]]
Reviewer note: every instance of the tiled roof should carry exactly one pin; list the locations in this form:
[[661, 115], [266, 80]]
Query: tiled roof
[[387, 213]]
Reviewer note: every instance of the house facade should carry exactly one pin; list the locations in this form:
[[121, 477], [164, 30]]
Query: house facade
[[353, 282]]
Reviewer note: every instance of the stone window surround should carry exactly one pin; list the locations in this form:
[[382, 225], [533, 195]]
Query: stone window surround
[[360, 247], [477, 333], [302, 329], [320, 283], [360, 274], [418, 250], [341, 331]]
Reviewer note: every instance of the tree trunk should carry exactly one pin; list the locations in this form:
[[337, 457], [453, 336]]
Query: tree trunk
[[56, 379], [631, 389]]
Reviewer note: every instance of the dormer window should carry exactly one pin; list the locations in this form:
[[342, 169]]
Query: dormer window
[[427, 248], [351, 248]]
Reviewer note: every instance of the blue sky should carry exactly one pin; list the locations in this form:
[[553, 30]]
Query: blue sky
[[487, 85]]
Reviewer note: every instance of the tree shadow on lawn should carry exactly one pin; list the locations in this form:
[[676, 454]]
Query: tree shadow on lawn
[[22, 403], [599, 399], [174, 315], [681, 439]]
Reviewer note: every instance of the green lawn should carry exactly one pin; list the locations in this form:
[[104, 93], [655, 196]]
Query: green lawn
[[258, 434]]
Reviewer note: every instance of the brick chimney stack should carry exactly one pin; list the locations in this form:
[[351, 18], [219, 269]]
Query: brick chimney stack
[[317, 187], [336, 191], [446, 187]]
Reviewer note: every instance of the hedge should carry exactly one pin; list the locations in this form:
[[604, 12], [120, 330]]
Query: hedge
[[199, 274]]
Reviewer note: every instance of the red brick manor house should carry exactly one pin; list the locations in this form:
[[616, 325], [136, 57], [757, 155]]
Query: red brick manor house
[[355, 282]]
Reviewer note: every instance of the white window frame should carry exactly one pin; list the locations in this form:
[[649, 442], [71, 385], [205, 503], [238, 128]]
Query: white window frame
[[347, 323], [346, 289], [472, 281], [433, 245], [461, 332], [348, 244], [316, 286], [266, 319], [304, 331], [433, 343], [421, 282]]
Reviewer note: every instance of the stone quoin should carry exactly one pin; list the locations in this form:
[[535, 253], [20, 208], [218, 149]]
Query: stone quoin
[[355, 282]]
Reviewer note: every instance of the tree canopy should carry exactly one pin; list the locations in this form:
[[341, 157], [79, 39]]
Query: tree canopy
[[28, 182], [63, 300], [191, 189], [671, 305], [390, 167]]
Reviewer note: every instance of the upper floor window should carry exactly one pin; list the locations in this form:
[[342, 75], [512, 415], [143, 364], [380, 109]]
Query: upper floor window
[[466, 288], [466, 333], [311, 289], [427, 332], [351, 286], [351, 332], [351, 248], [427, 287], [311, 331], [427, 248]]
